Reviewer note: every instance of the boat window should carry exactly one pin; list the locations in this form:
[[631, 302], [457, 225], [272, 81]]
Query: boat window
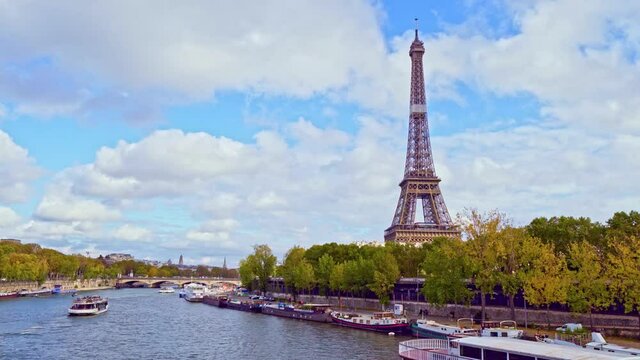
[[494, 355], [505, 334], [494, 334], [520, 357], [471, 352]]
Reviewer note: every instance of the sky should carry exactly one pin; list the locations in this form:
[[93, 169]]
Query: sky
[[201, 128]]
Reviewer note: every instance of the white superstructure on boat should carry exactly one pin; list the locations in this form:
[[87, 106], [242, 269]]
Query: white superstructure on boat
[[599, 343], [166, 290], [89, 305], [432, 329], [497, 348], [505, 328], [194, 292]]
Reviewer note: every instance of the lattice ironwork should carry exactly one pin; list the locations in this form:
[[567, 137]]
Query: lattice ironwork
[[420, 181]]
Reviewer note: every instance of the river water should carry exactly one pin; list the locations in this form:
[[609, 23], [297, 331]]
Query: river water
[[143, 324]]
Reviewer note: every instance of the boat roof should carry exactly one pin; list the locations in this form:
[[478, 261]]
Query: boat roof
[[538, 349], [317, 305]]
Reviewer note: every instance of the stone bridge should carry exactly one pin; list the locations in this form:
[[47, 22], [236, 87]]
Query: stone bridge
[[157, 282]]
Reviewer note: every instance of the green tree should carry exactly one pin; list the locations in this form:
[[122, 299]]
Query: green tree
[[202, 270], [588, 280], [484, 248], [304, 276], [547, 281], [519, 250], [623, 225], [562, 231], [323, 272], [289, 269], [27, 267], [446, 269], [624, 268], [246, 272], [260, 265], [385, 275], [337, 281]]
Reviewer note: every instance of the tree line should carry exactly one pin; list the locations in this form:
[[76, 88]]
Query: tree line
[[583, 264], [31, 262]]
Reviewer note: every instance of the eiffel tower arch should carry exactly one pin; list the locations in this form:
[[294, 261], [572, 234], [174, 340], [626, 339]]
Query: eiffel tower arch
[[420, 183]]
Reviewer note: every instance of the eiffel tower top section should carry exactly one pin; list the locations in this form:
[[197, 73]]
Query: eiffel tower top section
[[419, 161]]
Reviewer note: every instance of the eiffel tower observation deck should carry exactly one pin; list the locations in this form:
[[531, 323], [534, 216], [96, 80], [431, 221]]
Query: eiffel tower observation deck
[[420, 181]]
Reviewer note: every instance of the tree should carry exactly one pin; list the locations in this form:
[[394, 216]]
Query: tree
[[337, 281], [623, 225], [385, 275], [292, 260], [17, 266], [202, 270], [323, 272], [484, 249], [446, 270], [358, 274], [517, 258], [246, 272], [565, 230], [624, 267], [304, 278], [588, 279], [546, 282], [260, 265]]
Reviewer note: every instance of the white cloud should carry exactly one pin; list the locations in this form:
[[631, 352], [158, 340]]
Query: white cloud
[[176, 52], [17, 170], [132, 233], [8, 217], [582, 70], [60, 206]]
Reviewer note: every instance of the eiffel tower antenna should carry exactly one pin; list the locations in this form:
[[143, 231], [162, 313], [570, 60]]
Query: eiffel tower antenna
[[420, 181]]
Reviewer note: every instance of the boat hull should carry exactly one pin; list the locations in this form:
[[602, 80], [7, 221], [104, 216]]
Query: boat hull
[[297, 314], [244, 307], [88, 312], [215, 301], [426, 333], [192, 299], [10, 295], [383, 328]]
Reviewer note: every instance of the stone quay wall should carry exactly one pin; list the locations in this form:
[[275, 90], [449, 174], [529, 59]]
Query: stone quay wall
[[80, 284], [616, 325]]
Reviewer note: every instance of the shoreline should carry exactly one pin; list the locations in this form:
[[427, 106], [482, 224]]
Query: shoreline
[[95, 288]]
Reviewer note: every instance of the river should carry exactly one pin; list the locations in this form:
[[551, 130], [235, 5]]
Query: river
[[143, 324]]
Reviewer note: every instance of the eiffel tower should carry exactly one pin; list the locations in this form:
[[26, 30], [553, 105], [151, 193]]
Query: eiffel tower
[[420, 181]]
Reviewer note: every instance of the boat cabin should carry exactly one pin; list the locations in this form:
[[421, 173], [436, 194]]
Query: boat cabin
[[491, 348]]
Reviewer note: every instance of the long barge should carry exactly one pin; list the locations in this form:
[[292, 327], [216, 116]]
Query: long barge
[[310, 312], [216, 300], [243, 305]]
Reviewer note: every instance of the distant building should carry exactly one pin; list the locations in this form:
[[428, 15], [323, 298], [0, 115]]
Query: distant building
[[169, 262], [115, 257], [369, 243], [13, 241], [180, 261]]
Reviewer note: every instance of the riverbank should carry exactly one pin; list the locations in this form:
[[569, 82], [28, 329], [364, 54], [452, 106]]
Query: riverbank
[[610, 325], [78, 284]]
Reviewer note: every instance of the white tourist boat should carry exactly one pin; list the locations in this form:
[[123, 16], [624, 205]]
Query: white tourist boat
[[166, 290], [194, 292], [89, 305], [434, 330], [597, 343], [505, 328], [499, 348]]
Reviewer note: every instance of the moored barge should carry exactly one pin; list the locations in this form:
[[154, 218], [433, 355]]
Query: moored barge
[[245, 305], [310, 312], [385, 322], [216, 300]]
